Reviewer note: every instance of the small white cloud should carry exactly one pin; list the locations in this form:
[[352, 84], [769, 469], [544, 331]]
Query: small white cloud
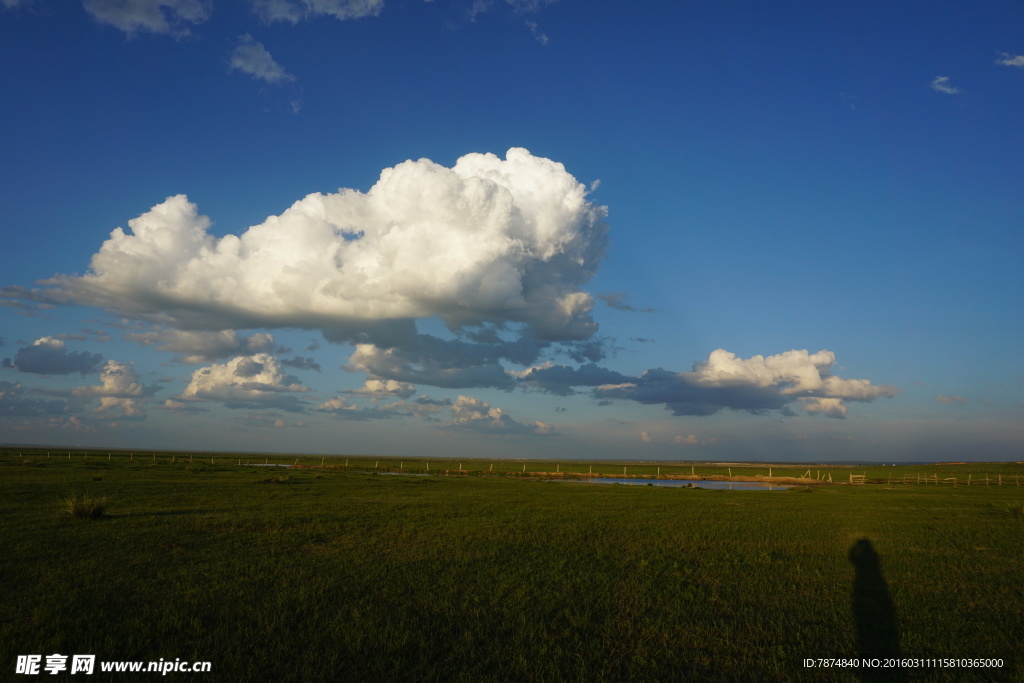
[[946, 400], [120, 390], [422, 406], [1011, 60], [157, 16], [829, 407], [478, 7], [177, 406], [477, 415], [689, 439], [335, 404], [538, 35], [117, 380], [941, 84], [294, 11], [384, 388], [252, 58], [528, 6], [645, 437]]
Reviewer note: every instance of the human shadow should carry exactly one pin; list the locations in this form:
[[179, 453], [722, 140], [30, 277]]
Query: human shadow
[[874, 614]]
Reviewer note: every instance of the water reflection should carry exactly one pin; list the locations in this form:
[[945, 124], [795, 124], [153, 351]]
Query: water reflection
[[689, 483]]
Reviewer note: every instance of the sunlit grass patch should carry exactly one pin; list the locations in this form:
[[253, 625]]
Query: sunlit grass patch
[[1015, 510]]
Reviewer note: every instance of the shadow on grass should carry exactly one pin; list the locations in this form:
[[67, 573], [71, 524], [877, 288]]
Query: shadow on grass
[[874, 614], [161, 513]]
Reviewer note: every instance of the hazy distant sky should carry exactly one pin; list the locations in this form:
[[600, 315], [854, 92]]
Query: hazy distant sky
[[514, 228]]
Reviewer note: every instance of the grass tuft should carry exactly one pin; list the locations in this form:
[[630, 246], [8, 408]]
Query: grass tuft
[[83, 506], [1015, 510]]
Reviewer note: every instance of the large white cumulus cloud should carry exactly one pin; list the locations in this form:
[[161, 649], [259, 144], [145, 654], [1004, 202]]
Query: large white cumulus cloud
[[255, 381], [488, 240]]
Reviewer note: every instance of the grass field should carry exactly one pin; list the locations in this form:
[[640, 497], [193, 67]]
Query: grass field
[[344, 574]]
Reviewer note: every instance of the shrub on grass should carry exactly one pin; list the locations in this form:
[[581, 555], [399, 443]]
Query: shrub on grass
[[83, 506]]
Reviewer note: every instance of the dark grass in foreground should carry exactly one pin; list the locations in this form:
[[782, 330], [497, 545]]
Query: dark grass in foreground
[[307, 575]]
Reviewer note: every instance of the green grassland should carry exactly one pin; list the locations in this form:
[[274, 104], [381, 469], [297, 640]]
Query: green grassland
[[344, 573]]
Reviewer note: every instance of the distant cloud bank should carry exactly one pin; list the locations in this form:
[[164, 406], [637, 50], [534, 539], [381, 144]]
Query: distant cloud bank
[[757, 385]]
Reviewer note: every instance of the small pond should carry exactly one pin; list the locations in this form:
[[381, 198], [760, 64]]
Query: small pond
[[689, 483]]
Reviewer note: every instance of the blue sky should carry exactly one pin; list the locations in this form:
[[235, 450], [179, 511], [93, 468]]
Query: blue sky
[[525, 228]]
